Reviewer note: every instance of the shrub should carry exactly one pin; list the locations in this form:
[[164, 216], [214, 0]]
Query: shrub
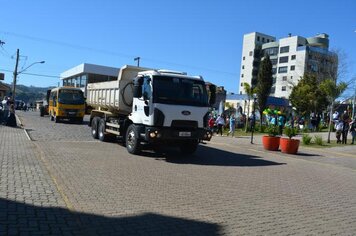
[[318, 140], [306, 139], [290, 132], [272, 130]]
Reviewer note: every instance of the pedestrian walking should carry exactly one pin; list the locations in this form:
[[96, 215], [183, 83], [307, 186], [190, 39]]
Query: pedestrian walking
[[353, 130], [345, 129], [232, 122], [339, 125], [211, 124], [220, 121]]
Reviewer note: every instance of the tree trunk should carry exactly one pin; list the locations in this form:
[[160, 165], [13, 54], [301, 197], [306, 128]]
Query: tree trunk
[[330, 119], [247, 116]]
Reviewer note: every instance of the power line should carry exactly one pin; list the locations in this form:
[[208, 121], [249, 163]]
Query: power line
[[119, 54], [41, 75]]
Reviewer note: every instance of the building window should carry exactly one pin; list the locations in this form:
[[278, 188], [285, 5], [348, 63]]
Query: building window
[[284, 49], [283, 69], [267, 40], [292, 67], [263, 40], [284, 88], [284, 78], [283, 59], [242, 75], [240, 92], [293, 57], [251, 53], [258, 38], [241, 84], [243, 58], [274, 61], [274, 71], [243, 67], [291, 77]]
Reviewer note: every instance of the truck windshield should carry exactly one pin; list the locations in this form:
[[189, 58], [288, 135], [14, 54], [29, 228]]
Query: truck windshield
[[68, 96], [180, 91]]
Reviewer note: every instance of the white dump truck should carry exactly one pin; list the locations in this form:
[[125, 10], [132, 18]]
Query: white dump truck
[[149, 108]]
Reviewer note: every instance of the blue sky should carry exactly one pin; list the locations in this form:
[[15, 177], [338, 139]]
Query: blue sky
[[199, 37]]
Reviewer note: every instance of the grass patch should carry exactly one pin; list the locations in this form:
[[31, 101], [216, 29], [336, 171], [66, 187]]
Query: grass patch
[[325, 144]]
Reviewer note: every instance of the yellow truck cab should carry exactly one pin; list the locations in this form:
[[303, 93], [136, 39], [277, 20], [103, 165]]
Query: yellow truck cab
[[66, 103]]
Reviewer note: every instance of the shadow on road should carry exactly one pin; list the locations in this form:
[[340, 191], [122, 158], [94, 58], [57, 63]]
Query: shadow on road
[[19, 218], [210, 156]]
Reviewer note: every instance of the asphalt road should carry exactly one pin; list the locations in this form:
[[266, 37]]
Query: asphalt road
[[228, 187]]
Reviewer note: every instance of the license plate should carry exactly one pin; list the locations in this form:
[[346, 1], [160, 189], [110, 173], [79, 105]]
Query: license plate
[[184, 134]]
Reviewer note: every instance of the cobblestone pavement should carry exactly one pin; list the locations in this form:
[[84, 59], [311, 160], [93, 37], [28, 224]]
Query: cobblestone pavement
[[228, 187]]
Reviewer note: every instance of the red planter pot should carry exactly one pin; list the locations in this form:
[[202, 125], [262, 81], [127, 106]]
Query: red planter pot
[[289, 146], [270, 143]]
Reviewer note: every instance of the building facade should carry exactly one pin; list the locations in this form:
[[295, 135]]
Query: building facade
[[291, 58], [79, 76]]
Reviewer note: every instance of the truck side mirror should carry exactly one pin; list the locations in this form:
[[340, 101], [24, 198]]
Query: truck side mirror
[[212, 98], [137, 89]]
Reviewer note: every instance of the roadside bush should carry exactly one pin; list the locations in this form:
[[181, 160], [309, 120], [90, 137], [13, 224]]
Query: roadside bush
[[263, 129], [306, 139], [305, 130], [320, 128], [318, 140]]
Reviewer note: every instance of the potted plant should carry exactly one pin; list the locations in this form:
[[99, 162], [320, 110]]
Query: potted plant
[[271, 141], [289, 145]]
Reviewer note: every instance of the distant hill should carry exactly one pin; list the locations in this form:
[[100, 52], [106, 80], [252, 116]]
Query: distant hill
[[30, 94]]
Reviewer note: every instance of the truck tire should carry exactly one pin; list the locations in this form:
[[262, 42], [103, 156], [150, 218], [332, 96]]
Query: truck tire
[[101, 131], [189, 147], [41, 111], [94, 127], [132, 140]]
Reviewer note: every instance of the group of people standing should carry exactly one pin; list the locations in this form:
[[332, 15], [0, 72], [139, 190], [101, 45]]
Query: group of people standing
[[7, 112], [343, 124], [217, 124]]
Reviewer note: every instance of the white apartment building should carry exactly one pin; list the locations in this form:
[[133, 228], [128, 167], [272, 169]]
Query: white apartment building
[[291, 57]]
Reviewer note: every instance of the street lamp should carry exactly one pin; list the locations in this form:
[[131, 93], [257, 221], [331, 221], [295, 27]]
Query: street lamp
[[16, 73], [138, 61]]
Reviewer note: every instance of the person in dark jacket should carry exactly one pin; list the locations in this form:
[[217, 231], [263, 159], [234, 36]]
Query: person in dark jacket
[[11, 119]]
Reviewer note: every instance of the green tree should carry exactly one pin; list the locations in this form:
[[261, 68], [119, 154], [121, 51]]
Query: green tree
[[332, 91], [307, 96], [264, 84], [249, 92]]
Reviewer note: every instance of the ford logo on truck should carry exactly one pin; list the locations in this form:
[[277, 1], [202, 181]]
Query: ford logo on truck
[[186, 113]]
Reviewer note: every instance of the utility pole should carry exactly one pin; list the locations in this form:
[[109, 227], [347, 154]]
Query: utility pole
[[353, 106], [15, 75]]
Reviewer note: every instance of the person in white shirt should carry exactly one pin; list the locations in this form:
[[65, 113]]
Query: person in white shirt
[[220, 121]]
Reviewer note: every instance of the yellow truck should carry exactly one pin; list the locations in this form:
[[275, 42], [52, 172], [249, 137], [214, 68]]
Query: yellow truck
[[66, 103]]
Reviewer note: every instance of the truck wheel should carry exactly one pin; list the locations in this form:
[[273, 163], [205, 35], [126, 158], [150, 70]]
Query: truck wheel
[[101, 131], [132, 140], [189, 147], [41, 111], [94, 127]]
